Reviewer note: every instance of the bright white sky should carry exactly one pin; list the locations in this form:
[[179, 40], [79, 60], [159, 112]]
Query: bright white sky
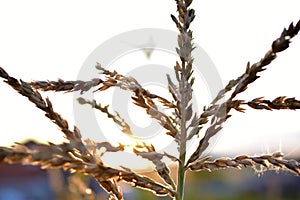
[[40, 41]]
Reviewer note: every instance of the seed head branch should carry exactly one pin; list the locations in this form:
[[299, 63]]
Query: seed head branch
[[278, 45], [113, 79], [156, 158], [44, 104], [281, 102], [241, 84], [59, 156], [141, 97], [65, 86], [266, 162], [115, 117]]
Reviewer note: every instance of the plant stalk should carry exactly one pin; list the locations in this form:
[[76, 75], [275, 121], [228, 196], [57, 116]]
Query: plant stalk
[[180, 184], [183, 134]]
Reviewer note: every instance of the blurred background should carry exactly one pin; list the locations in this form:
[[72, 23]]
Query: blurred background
[[50, 40]]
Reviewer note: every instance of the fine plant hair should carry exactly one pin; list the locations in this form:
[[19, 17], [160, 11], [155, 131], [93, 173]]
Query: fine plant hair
[[182, 124]]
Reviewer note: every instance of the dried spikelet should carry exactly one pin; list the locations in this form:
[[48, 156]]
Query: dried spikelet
[[102, 147]]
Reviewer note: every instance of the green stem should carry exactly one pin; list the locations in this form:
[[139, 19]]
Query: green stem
[[180, 185]]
